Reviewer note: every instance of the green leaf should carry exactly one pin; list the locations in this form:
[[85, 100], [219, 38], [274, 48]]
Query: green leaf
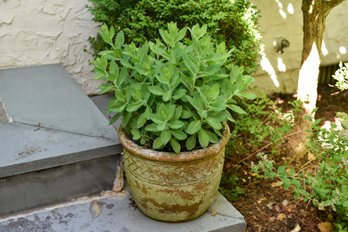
[[105, 88], [196, 102], [176, 124], [178, 112], [281, 170], [114, 118], [191, 64], [247, 95], [162, 140], [152, 127], [213, 138], [236, 109], [179, 134], [134, 106], [136, 135], [198, 32], [191, 142], [214, 123], [119, 41], [156, 90], [179, 94], [107, 34], [141, 120], [175, 145], [203, 138], [286, 183], [167, 38], [186, 114], [193, 127]]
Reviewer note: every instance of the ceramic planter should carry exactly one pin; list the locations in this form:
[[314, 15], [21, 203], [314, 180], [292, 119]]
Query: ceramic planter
[[173, 187]]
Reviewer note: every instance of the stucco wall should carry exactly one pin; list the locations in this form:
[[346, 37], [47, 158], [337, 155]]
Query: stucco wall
[[48, 31], [283, 19]]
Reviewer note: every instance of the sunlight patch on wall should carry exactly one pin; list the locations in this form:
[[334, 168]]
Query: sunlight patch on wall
[[342, 50], [281, 11], [281, 65], [267, 67], [290, 8]]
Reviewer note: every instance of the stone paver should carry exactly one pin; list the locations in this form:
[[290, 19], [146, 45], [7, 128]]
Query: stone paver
[[47, 96], [52, 122], [117, 214]]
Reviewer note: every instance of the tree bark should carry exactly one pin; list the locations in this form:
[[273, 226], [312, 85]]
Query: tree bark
[[314, 15]]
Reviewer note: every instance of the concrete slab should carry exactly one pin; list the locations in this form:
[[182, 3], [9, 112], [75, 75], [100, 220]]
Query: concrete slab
[[117, 214], [25, 148], [46, 95], [50, 121]]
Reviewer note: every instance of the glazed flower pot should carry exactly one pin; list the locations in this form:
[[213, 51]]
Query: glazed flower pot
[[173, 187]]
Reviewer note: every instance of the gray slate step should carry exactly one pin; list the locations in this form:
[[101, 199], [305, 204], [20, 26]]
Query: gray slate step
[[53, 140], [117, 214]]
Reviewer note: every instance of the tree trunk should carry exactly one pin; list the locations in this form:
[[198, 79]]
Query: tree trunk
[[314, 15]]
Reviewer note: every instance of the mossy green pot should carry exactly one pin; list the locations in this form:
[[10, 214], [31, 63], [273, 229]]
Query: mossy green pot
[[173, 187]]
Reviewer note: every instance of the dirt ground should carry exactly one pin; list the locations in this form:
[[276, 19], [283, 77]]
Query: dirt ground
[[269, 208]]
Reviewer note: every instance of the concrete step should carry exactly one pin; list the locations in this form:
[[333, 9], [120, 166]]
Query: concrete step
[[117, 213], [55, 144]]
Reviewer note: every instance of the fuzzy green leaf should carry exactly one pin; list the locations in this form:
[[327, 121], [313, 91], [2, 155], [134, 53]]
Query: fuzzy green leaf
[[119, 41], [236, 109], [191, 142], [178, 134], [156, 90], [203, 138], [175, 145], [136, 135], [193, 127], [214, 123]]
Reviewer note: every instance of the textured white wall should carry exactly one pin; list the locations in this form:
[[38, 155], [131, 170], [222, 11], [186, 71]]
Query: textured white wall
[[48, 31], [283, 19]]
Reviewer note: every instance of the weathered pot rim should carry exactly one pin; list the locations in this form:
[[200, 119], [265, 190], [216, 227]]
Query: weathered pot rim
[[172, 157]]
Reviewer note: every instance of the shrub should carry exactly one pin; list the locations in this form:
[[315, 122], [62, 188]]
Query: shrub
[[231, 21]]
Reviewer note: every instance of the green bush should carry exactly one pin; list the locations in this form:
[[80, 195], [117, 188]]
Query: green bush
[[232, 21]]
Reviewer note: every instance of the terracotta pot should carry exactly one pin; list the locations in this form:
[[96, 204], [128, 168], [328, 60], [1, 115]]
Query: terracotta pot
[[173, 187]]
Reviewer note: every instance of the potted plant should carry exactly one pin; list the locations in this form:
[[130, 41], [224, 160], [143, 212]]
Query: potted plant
[[175, 96]]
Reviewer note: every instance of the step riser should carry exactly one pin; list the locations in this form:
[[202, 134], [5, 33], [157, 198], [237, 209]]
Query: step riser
[[56, 185]]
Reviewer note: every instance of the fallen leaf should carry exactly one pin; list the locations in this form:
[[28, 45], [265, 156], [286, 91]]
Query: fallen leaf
[[213, 212], [261, 200], [281, 217], [276, 184], [296, 229], [311, 156], [270, 206], [285, 203], [325, 227], [95, 208]]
